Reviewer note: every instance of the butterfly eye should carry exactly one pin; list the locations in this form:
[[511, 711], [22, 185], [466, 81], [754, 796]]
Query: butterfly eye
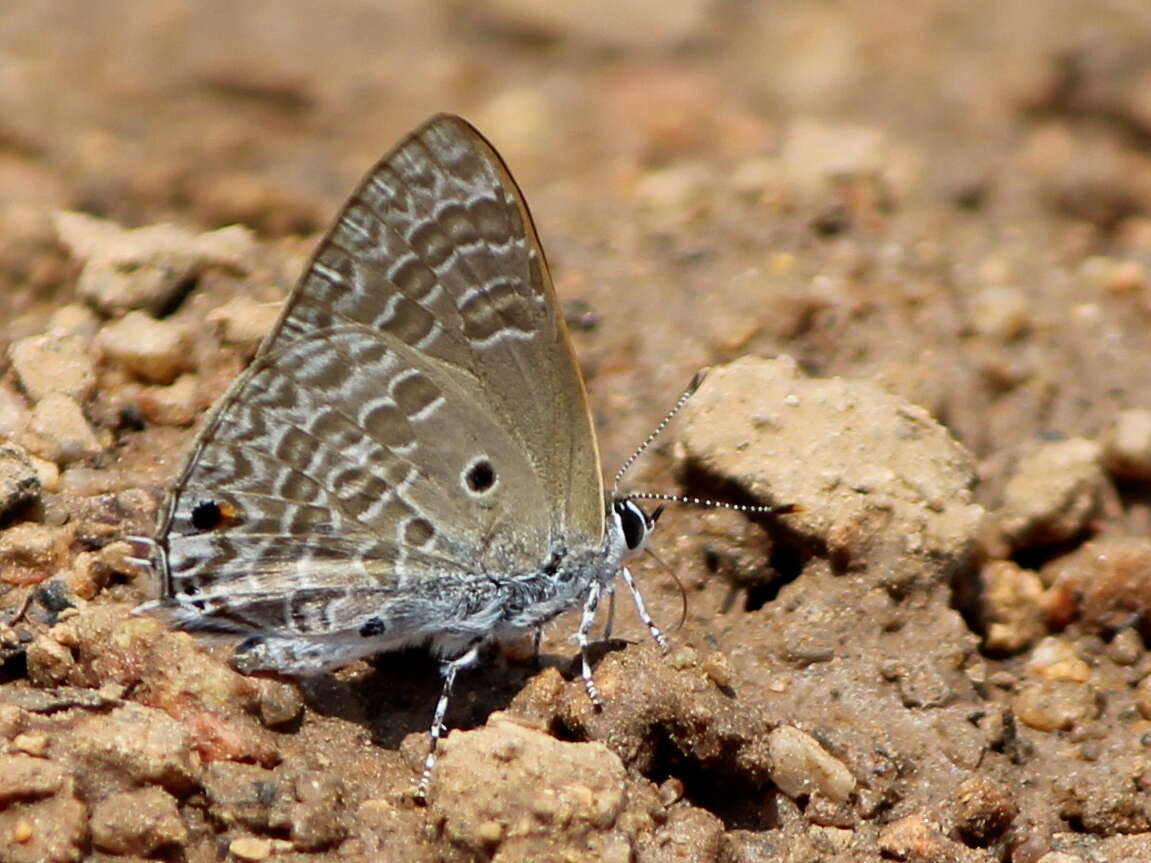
[[634, 523]]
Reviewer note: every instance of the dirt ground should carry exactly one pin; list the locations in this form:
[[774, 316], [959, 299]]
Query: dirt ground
[[912, 239]]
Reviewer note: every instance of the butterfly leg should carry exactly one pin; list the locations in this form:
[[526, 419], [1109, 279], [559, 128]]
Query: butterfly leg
[[449, 669], [585, 625], [607, 627], [641, 609]]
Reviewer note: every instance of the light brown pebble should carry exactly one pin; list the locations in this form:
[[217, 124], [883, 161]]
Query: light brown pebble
[[1056, 659], [915, 838], [682, 658], [177, 404], [152, 350], [49, 662], [142, 268], [800, 765], [1010, 606], [1126, 647], [244, 321], [1055, 706], [59, 432], [30, 744], [22, 831], [250, 848], [490, 832], [53, 364], [137, 822], [1053, 493], [73, 319], [717, 667], [32, 546], [1000, 312], [13, 414], [1127, 445], [280, 702]]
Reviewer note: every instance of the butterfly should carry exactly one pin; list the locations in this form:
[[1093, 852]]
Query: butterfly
[[409, 459]]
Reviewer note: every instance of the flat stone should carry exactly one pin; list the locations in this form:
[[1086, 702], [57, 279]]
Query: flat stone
[[143, 268], [59, 432], [53, 364], [23, 777]]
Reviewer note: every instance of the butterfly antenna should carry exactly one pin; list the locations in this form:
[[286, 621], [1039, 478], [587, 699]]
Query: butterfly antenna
[[658, 430], [765, 509]]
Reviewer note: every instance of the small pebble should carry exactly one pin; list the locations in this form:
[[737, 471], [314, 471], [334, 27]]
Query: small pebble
[[143, 268], [1055, 706], [250, 848], [1056, 659], [1010, 605], [74, 319], [152, 350], [28, 544], [1126, 647], [800, 765], [137, 822], [30, 744], [175, 405], [1054, 492], [244, 321], [718, 669], [984, 810], [53, 364], [1127, 445], [1000, 313], [59, 432], [13, 414]]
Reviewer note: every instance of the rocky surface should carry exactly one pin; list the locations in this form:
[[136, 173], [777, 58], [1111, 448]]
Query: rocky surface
[[913, 245]]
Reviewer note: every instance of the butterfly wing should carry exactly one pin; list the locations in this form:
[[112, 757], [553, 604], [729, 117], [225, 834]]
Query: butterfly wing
[[414, 424]]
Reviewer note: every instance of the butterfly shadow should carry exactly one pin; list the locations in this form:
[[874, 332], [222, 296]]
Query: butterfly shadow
[[394, 694]]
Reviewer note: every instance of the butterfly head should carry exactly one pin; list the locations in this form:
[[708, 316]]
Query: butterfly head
[[633, 523]]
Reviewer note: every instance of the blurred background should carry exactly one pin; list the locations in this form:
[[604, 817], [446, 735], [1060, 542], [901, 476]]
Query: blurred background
[[727, 170]]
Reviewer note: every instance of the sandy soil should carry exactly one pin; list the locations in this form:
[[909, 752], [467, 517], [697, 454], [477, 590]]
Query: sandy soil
[[913, 239]]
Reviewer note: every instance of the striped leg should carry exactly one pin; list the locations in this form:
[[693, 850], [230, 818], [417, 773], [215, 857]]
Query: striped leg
[[585, 625], [607, 627], [450, 669], [642, 610]]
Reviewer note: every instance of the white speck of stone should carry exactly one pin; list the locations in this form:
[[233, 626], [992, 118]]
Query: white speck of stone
[[791, 400]]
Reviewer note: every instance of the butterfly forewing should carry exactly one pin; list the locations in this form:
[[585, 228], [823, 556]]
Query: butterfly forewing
[[411, 416]]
